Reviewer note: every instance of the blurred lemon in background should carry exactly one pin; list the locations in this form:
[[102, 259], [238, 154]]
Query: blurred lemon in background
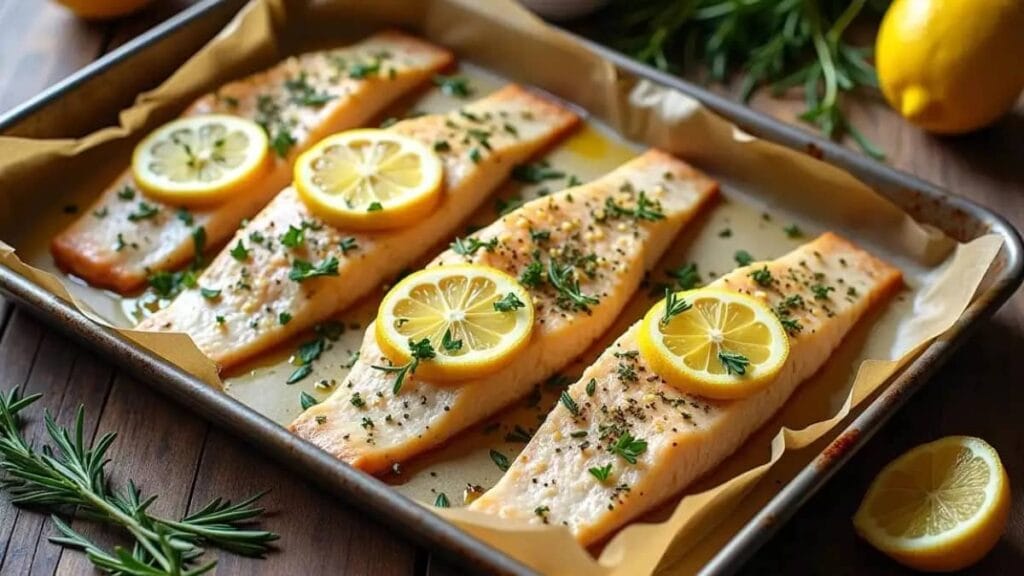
[[951, 66], [101, 9]]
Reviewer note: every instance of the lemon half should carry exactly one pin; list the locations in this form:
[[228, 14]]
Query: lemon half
[[477, 319], [720, 344], [370, 179], [200, 159], [939, 507]]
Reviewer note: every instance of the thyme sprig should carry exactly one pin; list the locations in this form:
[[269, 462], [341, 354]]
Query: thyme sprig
[[70, 474], [421, 350]]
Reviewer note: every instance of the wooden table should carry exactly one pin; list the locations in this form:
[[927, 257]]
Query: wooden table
[[187, 460]]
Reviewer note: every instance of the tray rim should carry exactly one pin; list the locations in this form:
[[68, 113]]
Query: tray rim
[[415, 520]]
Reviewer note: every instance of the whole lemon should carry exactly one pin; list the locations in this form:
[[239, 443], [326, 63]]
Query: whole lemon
[[103, 9], [951, 66]]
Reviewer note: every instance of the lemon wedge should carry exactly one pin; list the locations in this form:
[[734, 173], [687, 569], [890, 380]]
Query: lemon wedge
[[713, 343], [940, 507], [370, 179], [475, 317], [200, 159]]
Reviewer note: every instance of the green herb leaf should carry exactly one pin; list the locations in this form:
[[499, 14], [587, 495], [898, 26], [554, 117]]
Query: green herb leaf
[[733, 362], [569, 403], [536, 173], [500, 460], [629, 447], [307, 400], [448, 343], [442, 501], [294, 237], [743, 258], [674, 306], [303, 270], [601, 473], [457, 86], [508, 303], [240, 252], [686, 276]]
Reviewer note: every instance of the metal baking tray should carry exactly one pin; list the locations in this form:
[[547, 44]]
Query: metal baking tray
[[57, 112]]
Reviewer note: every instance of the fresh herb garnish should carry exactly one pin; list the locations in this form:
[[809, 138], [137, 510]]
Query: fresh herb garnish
[[457, 86], [209, 293], [645, 209], [563, 278], [794, 231], [508, 303], [449, 343], [71, 474], [628, 447], [500, 460], [569, 403], [686, 276], [601, 473], [762, 276], [294, 237], [421, 350], [348, 244], [284, 318], [821, 291], [307, 400], [303, 270], [674, 306], [591, 386], [442, 501], [533, 275], [536, 173], [474, 155], [733, 362], [240, 252], [144, 211], [469, 246], [743, 258], [303, 93]]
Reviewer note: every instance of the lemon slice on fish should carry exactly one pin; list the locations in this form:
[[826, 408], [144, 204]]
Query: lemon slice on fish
[[199, 160], [370, 179], [476, 318], [940, 507], [714, 343]]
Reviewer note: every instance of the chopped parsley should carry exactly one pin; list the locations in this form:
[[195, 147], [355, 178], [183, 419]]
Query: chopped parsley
[[686, 276], [743, 258], [475, 155], [144, 211], [628, 447], [449, 343], [357, 400], [310, 351], [536, 173], [281, 142], [294, 237], [284, 318], [468, 247], [762, 276], [821, 291], [591, 386], [348, 244], [375, 207], [509, 303], [303, 93], [421, 350], [601, 473], [240, 252], [500, 460], [126, 193], [457, 86], [442, 146], [303, 270], [533, 275]]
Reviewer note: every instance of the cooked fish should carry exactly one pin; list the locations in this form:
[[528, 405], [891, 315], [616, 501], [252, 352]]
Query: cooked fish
[[259, 305], [825, 286], [124, 236], [607, 233]]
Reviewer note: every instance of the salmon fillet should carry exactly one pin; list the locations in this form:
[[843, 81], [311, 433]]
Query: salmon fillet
[[609, 232], [259, 305], [825, 286], [124, 236]]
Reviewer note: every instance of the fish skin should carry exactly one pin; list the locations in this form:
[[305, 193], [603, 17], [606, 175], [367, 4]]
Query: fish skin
[[425, 414], [687, 436], [379, 257], [88, 248]]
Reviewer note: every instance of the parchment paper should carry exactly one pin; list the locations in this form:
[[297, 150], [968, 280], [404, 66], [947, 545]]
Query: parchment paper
[[767, 188]]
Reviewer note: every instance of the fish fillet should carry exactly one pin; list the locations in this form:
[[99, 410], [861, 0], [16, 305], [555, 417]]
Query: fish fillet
[[255, 291], [593, 227], [124, 236], [686, 435]]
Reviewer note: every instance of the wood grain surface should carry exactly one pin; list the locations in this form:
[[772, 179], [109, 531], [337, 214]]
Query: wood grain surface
[[188, 461]]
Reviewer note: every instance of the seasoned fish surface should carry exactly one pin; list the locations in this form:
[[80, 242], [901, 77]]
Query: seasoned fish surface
[[825, 286], [260, 305], [124, 236], [609, 232]]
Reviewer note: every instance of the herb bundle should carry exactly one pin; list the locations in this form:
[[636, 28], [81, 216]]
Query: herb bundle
[[780, 44], [70, 475]]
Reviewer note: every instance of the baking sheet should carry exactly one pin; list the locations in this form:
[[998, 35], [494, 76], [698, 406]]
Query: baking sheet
[[759, 179]]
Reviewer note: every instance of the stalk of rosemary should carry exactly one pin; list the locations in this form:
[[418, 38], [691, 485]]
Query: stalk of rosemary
[[69, 476], [780, 44]]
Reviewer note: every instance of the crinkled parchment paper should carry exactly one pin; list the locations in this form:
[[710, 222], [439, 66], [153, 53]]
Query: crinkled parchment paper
[[766, 187]]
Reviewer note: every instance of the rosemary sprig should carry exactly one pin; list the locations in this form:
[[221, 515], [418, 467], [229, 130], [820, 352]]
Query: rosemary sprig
[[71, 475], [780, 44]]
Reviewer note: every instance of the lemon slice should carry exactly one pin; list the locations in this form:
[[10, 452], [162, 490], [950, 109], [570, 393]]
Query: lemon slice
[[200, 159], [940, 507], [476, 318], [370, 179], [713, 343]]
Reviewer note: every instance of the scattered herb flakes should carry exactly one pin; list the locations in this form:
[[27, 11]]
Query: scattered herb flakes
[[303, 93], [299, 373], [442, 501], [533, 275], [449, 343], [794, 231], [743, 258], [645, 209], [508, 303], [686, 276], [601, 473], [284, 318], [591, 386], [185, 217], [505, 205], [454, 85], [294, 237], [762, 276], [126, 193], [357, 400], [792, 325], [321, 420], [725, 233], [629, 447], [500, 460], [348, 244], [566, 399], [733, 362], [421, 350], [475, 155], [303, 270], [143, 211], [361, 70], [518, 434], [101, 213], [469, 246], [563, 279], [307, 401], [240, 252], [535, 173], [442, 146], [375, 207], [209, 293], [282, 142], [821, 291]]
